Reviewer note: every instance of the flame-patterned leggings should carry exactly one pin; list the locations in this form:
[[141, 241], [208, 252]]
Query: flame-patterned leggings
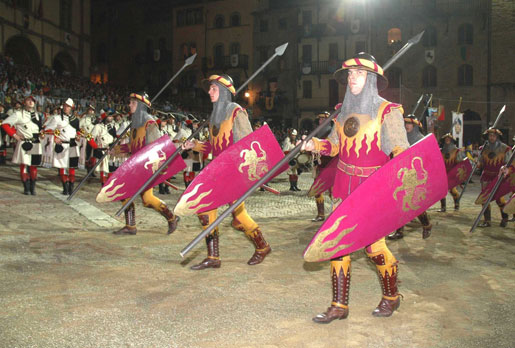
[[241, 220]]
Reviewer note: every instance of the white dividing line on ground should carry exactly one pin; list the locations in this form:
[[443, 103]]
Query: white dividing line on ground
[[87, 210]]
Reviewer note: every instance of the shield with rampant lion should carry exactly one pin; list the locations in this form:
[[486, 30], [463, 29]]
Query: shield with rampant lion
[[399, 191], [231, 173], [134, 172]]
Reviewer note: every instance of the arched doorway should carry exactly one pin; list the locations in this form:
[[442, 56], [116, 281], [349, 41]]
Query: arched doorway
[[63, 64], [23, 51]]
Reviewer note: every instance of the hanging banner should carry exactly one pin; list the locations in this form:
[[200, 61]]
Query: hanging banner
[[432, 115], [457, 127]]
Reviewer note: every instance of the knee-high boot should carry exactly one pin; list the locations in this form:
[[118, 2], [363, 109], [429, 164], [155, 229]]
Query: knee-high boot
[[130, 221], [173, 220], [320, 209], [504, 222], [262, 247], [340, 279], [33, 178], [443, 202], [487, 218], [388, 279], [426, 225], [213, 254]]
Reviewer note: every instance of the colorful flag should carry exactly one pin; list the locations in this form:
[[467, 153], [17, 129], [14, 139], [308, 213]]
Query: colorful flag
[[457, 127], [441, 113]]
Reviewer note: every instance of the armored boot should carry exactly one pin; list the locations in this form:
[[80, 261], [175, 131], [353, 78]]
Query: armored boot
[[130, 221], [426, 225], [33, 187], [320, 210], [213, 254], [455, 196], [399, 234], [173, 220], [504, 221], [295, 181], [340, 278], [391, 300], [161, 189], [487, 218], [443, 209], [292, 184], [262, 247]]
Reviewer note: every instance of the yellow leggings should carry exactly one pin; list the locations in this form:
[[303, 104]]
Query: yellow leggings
[[241, 219], [151, 201], [372, 250]]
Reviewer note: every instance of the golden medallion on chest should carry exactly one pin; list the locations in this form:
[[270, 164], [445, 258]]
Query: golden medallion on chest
[[351, 126]]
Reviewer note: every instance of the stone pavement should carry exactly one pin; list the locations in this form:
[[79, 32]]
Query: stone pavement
[[66, 281]]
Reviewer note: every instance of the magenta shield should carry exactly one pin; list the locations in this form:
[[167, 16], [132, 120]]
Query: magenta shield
[[399, 191], [325, 178], [231, 173], [459, 174], [507, 186], [134, 172]]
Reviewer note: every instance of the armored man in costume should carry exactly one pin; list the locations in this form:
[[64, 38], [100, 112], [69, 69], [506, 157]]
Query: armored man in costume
[[413, 131], [144, 130], [367, 131], [228, 124], [494, 157], [451, 157], [320, 162]]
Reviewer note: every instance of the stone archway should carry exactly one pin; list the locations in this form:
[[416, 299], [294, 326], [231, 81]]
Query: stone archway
[[64, 64], [23, 51]]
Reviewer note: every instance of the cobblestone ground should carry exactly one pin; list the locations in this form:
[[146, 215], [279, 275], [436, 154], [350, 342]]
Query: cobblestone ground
[[66, 281]]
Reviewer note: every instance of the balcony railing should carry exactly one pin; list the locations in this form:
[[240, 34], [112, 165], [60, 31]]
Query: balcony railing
[[225, 62], [320, 67]]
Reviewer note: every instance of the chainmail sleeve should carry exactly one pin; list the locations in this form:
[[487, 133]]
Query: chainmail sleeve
[[329, 146], [152, 132], [241, 127], [393, 134]]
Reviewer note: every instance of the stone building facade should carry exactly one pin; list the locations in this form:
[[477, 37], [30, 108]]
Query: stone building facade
[[55, 34]]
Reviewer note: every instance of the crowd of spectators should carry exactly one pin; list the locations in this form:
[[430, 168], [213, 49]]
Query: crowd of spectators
[[51, 90]]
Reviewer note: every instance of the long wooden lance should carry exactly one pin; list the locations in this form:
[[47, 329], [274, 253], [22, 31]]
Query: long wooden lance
[[279, 51], [479, 157], [494, 190], [187, 62], [287, 158]]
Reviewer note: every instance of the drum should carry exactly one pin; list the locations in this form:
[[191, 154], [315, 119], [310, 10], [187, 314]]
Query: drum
[[303, 159]]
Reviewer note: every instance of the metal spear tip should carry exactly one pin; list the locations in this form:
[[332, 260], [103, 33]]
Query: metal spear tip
[[503, 108], [190, 59], [416, 39], [420, 99], [280, 49]]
